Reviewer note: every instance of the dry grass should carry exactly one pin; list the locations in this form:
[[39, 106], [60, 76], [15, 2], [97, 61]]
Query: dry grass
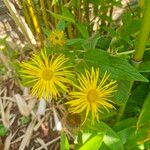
[[40, 131]]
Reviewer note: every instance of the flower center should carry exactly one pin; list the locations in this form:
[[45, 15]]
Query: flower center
[[92, 96], [47, 74], [56, 38]]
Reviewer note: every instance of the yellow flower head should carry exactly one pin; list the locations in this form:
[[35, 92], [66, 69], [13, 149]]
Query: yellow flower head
[[92, 94], [57, 38], [48, 74]]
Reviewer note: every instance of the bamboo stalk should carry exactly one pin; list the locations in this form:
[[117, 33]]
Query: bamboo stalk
[[19, 20], [70, 27], [34, 18], [44, 13], [51, 19], [26, 15], [86, 10], [139, 50], [55, 7], [143, 35], [70, 31]]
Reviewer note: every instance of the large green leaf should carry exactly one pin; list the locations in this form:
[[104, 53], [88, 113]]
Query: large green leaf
[[91, 42], [133, 140], [125, 128], [119, 68], [83, 29], [111, 138], [94, 142], [123, 91], [74, 41], [144, 117], [126, 123], [64, 144], [124, 134], [67, 13], [137, 97], [61, 25]]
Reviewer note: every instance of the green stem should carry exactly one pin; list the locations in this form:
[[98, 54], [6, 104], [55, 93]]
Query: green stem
[[123, 107], [139, 51], [34, 18], [143, 35], [125, 53]]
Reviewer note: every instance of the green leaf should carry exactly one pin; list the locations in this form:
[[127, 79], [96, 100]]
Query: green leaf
[[64, 144], [137, 96], [61, 25], [119, 68], [125, 128], [3, 130], [91, 42], [67, 13], [3, 40], [111, 138], [83, 29], [123, 91], [46, 31], [144, 117], [125, 133], [103, 42], [63, 17], [74, 41], [145, 66], [95, 142], [134, 140], [69, 54], [24, 120], [126, 123]]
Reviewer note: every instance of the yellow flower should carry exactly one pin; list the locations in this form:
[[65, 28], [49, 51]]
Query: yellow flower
[[92, 94], [48, 74], [57, 38]]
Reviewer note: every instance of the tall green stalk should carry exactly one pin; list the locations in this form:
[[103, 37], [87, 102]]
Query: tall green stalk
[[139, 49], [34, 18], [143, 35]]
